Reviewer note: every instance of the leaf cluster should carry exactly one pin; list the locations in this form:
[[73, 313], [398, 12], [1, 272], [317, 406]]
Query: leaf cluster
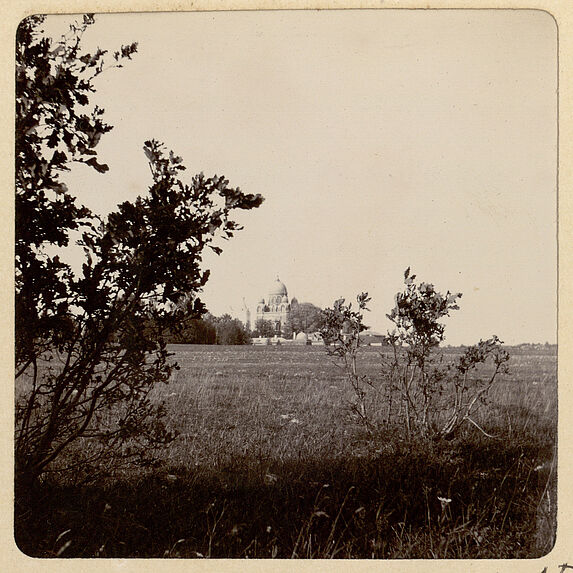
[[343, 324], [417, 314], [55, 125]]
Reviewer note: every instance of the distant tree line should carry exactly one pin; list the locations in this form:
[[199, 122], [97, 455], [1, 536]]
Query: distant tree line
[[211, 329]]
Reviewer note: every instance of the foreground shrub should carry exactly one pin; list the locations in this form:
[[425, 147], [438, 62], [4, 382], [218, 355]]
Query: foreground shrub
[[90, 345]]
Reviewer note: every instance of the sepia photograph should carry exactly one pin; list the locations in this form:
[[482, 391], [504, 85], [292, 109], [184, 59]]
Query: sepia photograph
[[286, 284]]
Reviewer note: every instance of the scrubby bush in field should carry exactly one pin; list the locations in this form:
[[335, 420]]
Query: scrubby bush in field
[[341, 333], [435, 396], [90, 345]]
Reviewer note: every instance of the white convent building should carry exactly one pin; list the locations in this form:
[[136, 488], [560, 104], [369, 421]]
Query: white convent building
[[276, 307]]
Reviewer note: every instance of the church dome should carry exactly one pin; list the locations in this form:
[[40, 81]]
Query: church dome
[[278, 289]]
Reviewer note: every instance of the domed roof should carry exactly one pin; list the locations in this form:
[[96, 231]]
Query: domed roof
[[301, 336], [278, 288]]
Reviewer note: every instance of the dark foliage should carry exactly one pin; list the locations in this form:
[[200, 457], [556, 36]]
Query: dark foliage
[[209, 329], [90, 346]]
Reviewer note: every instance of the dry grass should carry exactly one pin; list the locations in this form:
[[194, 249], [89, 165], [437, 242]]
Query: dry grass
[[270, 462]]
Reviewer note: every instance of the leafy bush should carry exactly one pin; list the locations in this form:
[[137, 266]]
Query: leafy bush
[[435, 397], [341, 334], [90, 346]]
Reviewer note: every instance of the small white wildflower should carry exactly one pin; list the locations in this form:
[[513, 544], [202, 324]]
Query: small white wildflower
[[295, 421], [269, 528], [444, 501]]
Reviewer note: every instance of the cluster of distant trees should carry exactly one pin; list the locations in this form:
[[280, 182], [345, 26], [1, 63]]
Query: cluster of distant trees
[[303, 317], [211, 329]]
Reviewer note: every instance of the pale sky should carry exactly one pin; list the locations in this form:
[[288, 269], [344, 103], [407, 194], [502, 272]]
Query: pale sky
[[379, 139]]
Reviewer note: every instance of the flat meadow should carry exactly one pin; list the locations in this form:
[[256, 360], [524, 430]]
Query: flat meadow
[[270, 462]]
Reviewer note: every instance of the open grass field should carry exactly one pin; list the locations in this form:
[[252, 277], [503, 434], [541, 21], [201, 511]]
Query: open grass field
[[270, 462]]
